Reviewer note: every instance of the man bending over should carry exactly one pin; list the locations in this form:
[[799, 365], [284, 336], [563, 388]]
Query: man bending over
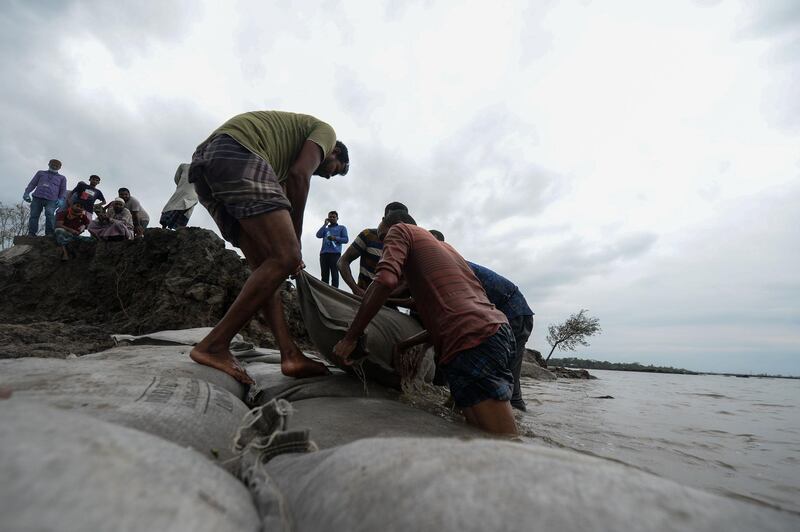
[[253, 174], [506, 296], [473, 341]]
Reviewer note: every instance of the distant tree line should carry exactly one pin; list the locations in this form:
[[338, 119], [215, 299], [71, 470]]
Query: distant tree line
[[571, 362]]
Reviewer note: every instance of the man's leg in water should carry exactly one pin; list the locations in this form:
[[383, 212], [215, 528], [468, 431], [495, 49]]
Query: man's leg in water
[[492, 416], [272, 236], [293, 362], [482, 384]]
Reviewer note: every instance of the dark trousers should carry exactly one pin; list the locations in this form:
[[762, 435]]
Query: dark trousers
[[37, 206], [327, 263], [522, 327]]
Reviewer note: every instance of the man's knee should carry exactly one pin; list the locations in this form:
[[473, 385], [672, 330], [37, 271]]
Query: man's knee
[[290, 260]]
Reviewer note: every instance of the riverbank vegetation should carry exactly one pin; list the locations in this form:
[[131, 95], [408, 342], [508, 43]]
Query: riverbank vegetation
[[571, 362]]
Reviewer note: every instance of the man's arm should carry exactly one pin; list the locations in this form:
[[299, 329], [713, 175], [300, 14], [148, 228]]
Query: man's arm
[[396, 246], [349, 255], [401, 290], [127, 218], [405, 302], [321, 232], [73, 192], [299, 181], [32, 184], [343, 239], [62, 188], [137, 228], [376, 296], [411, 341], [403, 345], [60, 225]]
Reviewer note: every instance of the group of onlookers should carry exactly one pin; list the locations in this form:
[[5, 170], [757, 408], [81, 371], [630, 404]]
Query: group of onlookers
[[68, 213]]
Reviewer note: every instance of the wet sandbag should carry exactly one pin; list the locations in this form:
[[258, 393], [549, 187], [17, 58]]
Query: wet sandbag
[[186, 411], [339, 420], [64, 471], [327, 313], [259, 354], [263, 365], [167, 360], [447, 485], [175, 337], [275, 385]]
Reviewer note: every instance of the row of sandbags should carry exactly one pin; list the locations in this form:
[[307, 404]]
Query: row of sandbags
[[134, 438], [141, 438]]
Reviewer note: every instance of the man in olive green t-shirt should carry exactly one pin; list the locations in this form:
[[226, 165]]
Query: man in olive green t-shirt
[[253, 174]]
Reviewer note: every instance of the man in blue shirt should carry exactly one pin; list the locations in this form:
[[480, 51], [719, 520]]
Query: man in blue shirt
[[49, 190], [506, 296], [333, 236]]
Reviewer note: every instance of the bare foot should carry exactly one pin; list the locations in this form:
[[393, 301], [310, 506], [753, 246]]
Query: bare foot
[[223, 361], [299, 366]]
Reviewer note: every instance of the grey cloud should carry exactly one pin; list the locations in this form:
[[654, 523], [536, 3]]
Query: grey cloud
[[777, 22], [736, 291], [45, 117], [571, 261], [536, 41], [262, 24], [126, 29], [355, 96], [395, 9], [771, 19]]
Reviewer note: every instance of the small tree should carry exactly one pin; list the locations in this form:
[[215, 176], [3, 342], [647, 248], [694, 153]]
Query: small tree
[[572, 332], [13, 222]]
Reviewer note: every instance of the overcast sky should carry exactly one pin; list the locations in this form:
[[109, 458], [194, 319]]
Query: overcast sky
[[638, 159]]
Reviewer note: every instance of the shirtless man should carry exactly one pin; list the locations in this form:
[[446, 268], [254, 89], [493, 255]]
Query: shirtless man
[[473, 341], [253, 175]]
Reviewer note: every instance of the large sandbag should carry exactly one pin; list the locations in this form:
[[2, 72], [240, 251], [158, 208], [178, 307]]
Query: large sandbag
[[272, 384], [63, 471], [462, 486], [166, 360], [327, 313], [186, 411], [176, 336], [339, 420], [260, 354]]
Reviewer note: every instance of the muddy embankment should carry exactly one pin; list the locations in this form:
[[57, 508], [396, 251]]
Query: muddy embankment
[[167, 280]]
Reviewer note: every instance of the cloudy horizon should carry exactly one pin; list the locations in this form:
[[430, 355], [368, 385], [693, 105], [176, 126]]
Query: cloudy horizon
[[640, 161]]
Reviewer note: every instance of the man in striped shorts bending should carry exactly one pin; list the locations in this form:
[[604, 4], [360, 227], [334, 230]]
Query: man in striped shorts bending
[[253, 175]]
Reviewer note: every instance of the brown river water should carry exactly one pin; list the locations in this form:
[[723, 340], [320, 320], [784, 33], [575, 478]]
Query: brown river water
[[734, 436]]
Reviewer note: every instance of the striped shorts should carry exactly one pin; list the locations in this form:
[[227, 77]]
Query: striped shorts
[[233, 183], [482, 372]]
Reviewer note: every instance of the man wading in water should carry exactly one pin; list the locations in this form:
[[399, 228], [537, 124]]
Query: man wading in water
[[473, 341], [250, 174]]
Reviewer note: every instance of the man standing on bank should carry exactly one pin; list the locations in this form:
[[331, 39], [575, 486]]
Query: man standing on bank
[[46, 191], [333, 236], [253, 175]]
